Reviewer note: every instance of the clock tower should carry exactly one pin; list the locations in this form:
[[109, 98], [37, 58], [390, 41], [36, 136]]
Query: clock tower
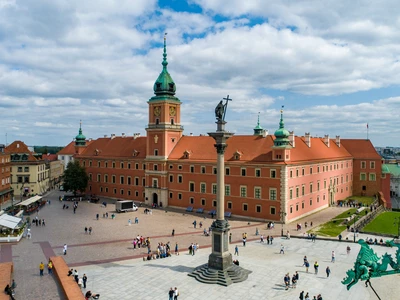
[[163, 133]]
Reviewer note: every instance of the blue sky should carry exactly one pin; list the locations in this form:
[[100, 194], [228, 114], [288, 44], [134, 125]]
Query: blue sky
[[334, 65]]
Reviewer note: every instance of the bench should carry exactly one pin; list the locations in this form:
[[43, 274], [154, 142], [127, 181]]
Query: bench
[[200, 210], [189, 209], [227, 214], [68, 284], [6, 270], [212, 212]]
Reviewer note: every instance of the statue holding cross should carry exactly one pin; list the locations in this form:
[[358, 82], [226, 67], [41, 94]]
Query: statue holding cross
[[220, 110]]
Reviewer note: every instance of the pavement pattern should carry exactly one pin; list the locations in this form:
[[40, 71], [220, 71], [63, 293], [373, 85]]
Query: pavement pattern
[[117, 271]]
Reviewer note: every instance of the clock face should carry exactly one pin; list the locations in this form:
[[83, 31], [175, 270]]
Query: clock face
[[157, 111], [172, 111]]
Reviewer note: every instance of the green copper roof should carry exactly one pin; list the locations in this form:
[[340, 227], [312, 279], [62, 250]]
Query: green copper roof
[[258, 130], [281, 135], [80, 139], [393, 169], [164, 83]]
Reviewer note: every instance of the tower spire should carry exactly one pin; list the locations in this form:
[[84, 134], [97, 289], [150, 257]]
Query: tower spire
[[281, 123], [258, 130], [165, 62]]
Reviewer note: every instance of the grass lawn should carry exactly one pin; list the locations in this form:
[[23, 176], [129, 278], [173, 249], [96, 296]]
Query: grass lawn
[[385, 223], [361, 199], [335, 226]]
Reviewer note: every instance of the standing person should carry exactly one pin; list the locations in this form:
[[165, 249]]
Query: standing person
[[84, 279], [194, 224], [307, 264], [230, 237], [294, 281], [268, 240], [307, 297], [333, 256], [316, 267], [191, 249], [97, 216], [244, 241], [176, 249], [43, 223], [90, 230], [41, 268], [129, 222], [171, 294], [282, 250], [136, 220], [173, 232], [65, 249], [304, 260], [271, 238], [76, 276], [85, 230], [50, 267], [236, 250], [297, 276], [286, 279], [194, 248], [328, 271], [176, 293], [348, 249], [261, 239]]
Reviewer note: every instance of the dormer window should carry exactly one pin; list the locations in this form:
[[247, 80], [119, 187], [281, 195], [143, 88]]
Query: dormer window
[[158, 86], [171, 86], [135, 153], [186, 154], [237, 155], [96, 152]]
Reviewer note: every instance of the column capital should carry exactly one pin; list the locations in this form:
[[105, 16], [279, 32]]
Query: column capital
[[220, 148]]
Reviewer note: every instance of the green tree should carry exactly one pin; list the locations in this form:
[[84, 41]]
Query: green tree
[[75, 177]]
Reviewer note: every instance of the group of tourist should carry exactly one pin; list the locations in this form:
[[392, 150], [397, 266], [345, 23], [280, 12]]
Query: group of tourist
[[49, 268], [38, 222], [173, 294], [269, 239], [307, 296]]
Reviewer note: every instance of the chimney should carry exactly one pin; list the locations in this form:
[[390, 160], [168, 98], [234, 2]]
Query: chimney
[[136, 135], [265, 133], [291, 138], [338, 140], [112, 135], [307, 138], [105, 135], [326, 140], [123, 134]]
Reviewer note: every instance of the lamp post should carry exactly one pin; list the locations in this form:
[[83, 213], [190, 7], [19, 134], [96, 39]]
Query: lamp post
[[397, 220], [354, 228], [282, 214]]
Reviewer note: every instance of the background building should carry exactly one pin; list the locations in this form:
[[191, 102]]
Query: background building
[[29, 172], [6, 192]]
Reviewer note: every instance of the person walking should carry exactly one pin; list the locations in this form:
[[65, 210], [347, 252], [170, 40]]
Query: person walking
[[41, 268], [244, 242], [173, 232], [90, 230], [282, 250], [176, 293], [84, 279], [316, 267], [333, 256], [85, 230], [236, 250], [65, 249], [304, 260], [230, 237], [301, 297], [129, 222], [176, 249], [194, 224], [171, 294], [307, 297], [328, 271], [97, 217], [307, 264]]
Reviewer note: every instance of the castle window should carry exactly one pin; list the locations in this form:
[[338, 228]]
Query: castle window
[[157, 121], [172, 121]]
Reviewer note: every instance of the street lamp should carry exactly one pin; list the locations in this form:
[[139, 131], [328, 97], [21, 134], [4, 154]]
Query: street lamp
[[282, 214], [354, 228]]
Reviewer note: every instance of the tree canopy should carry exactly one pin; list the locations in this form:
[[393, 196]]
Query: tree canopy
[[75, 177]]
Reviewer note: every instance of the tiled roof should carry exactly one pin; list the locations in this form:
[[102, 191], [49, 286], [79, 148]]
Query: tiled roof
[[116, 147], [17, 147], [360, 148], [50, 157], [21, 148], [68, 150], [255, 149]]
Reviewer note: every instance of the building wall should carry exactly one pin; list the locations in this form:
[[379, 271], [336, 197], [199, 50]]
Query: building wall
[[30, 178], [367, 177], [385, 184], [324, 183], [56, 172], [65, 159], [5, 178], [129, 169]]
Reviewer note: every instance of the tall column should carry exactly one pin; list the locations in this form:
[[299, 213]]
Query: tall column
[[221, 183]]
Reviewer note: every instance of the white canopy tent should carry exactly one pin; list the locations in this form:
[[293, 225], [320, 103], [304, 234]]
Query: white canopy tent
[[29, 201], [9, 221]]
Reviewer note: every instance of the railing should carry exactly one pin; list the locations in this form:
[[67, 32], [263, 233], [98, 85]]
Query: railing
[[368, 218]]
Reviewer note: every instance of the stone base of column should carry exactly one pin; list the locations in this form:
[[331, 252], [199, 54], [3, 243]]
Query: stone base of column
[[232, 274]]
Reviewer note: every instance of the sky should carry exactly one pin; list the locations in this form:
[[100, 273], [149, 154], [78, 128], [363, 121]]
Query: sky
[[333, 65]]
